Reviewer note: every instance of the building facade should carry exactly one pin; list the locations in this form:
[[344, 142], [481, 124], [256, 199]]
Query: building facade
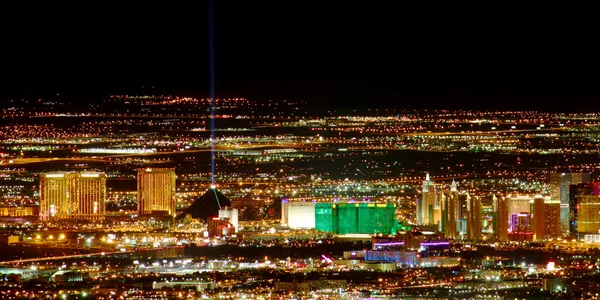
[[72, 196], [426, 205], [559, 191], [576, 191], [156, 192], [539, 219], [474, 225], [299, 215], [231, 214], [588, 214], [500, 218], [355, 217]]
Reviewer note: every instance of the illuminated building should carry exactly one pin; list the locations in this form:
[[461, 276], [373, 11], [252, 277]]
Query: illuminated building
[[559, 191], [426, 205], [552, 218], [520, 228], [539, 219], [474, 218], [284, 212], [588, 214], [519, 204], [461, 214], [72, 196], [231, 214], [156, 192], [300, 215], [219, 227], [450, 206], [450, 212], [355, 218], [575, 192], [408, 258], [19, 211], [500, 218], [520, 222]]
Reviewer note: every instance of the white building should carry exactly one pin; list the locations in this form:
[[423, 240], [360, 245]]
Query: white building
[[231, 214], [299, 215]]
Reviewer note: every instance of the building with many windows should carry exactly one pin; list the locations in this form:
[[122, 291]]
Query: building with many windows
[[426, 205], [500, 218], [66, 195], [355, 217], [156, 192], [576, 192], [588, 214], [559, 191]]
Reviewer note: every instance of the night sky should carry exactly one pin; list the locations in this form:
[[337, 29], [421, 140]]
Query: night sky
[[368, 55]]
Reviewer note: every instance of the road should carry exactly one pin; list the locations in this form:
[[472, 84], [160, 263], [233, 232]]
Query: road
[[30, 260]]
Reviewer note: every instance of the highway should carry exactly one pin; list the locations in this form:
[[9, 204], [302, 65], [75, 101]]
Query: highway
[[39, 259]]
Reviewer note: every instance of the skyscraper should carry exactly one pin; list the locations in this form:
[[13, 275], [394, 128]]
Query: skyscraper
[[426, 205], [462, 215], [559, 191], [552, 218], [449, 203], [500, 208], [588, 214], [474, 218], [576, 192], [156, 192], [72, 196], [539, 219]]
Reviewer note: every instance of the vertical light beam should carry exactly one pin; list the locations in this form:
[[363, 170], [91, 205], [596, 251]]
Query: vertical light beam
[[211, 45]]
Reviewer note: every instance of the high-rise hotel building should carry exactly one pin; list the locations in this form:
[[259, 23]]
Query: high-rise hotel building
[[72, 196], [426, 205], [500, 213], [156, 192], [559, 191]]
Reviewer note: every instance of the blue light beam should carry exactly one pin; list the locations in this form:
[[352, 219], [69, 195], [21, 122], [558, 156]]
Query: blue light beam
[[211, 45]]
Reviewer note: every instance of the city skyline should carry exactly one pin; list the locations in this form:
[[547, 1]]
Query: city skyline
[[282, 150]]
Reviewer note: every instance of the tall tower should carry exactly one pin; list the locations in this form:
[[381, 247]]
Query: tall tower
[[426, 205], [449, 206], [156, 192], [559, 191], [54, 202], [450, 211], [72, 196], [87, 192], [576, 191], [474, 218], [552, 218], [539, 218], [588, 214], [500, 218]]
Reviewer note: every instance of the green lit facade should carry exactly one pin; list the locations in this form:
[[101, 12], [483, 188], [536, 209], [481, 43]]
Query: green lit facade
[[355, 218]]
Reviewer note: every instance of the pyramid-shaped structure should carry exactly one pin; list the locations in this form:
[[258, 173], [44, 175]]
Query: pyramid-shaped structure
[[206, 206]]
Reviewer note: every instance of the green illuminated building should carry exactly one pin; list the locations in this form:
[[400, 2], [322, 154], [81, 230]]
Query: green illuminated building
[[355, 218]]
